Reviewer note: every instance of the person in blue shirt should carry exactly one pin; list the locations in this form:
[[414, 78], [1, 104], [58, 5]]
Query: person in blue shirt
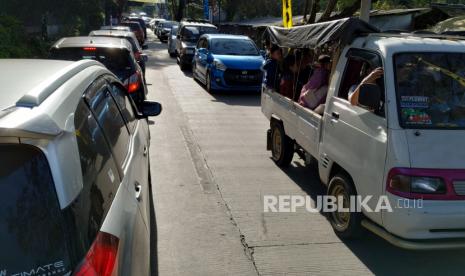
[[272, 69]]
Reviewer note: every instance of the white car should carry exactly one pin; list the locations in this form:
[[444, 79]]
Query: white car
[[75, 177], [403, 141]]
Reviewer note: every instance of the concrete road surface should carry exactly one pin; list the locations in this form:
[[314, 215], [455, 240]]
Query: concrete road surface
[[210, 171]]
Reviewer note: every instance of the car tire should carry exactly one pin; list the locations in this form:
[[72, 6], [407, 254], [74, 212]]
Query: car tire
[[345, 225], [282, 147], [208, 83]]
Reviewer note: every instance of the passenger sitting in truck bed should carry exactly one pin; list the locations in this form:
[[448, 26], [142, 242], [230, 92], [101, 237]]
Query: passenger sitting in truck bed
[[289, 80], [272, 69], [314, 93], [370, 78]]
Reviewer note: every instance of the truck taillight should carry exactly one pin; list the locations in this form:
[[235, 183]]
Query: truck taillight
[[101, 259], [133, 82], [428, 184]]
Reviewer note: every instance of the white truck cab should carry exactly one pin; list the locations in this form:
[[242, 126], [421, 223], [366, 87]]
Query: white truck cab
[[408, 149]]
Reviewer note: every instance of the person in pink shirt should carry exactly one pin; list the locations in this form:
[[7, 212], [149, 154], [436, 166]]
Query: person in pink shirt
[[314, 91]]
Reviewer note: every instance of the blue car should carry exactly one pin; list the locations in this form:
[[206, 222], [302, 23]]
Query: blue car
[[228, 63]]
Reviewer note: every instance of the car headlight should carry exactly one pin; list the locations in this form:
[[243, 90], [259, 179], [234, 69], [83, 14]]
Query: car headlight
[[219, 65], [418, 184]]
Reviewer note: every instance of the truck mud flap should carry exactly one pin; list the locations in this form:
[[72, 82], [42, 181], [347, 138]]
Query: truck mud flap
[[268, 139]]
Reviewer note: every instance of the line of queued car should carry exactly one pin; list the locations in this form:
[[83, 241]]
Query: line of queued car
[[221, 62], [75, 187]]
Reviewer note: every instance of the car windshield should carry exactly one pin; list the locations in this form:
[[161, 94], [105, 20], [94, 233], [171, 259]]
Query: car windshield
[[236, 47], [32, 234], [431, 90], [193, 33], [116, 60]]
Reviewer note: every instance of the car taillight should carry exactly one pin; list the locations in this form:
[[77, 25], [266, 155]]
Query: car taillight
[[101, 259], [133, 82], [429, 184]]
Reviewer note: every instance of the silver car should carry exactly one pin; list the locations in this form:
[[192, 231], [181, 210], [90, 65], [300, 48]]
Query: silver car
[[172, 40], [74, 175]]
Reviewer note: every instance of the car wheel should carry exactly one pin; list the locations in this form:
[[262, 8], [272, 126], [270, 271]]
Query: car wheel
[[208, 83], [194, 68], [282, 147], [346, 225]]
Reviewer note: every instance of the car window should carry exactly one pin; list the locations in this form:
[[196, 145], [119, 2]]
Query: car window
[[109, 118], [125, 106], [32, 234], [100, 180], [117, 60]]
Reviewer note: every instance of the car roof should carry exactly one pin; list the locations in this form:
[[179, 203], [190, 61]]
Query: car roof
[[93, 41], [407, 42], [16, 85], [115, 33], [43, 76], [228, 36], [196, 24], [114, 27]]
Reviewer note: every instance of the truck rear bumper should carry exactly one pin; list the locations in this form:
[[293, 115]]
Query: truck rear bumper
[[413, 244]]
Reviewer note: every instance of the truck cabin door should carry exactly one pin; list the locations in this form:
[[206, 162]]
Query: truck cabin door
[[354, 137]]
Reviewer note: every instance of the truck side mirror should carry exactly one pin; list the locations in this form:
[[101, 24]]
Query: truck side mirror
[[370, 96]]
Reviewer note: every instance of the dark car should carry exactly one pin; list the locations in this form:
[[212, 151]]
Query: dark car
[[131, 38], [187, 37], [164, 29], [141, 22], [115, 53], [136, 29]]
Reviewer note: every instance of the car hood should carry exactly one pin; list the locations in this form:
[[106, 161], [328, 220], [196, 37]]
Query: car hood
[[240, 62]]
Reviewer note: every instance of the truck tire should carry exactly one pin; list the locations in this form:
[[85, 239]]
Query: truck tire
[[346, 225], [282, 147]]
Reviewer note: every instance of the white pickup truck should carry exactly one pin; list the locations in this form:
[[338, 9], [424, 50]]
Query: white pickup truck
[[410, 151]]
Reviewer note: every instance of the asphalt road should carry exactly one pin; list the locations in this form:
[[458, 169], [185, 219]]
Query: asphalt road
[[210, 171]]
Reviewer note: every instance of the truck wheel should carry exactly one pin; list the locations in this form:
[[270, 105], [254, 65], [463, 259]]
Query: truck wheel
[[282, 147], [346, 225]]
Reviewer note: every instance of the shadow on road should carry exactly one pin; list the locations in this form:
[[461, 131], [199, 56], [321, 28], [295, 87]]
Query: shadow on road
[[375, 253]]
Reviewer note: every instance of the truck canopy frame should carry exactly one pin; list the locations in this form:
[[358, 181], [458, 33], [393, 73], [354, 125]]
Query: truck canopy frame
[[341, 31]]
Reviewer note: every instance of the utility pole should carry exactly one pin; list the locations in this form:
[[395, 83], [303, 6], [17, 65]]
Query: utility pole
[[365, 7]]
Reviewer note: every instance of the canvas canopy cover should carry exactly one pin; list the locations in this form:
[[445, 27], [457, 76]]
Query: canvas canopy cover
[[315, 35]]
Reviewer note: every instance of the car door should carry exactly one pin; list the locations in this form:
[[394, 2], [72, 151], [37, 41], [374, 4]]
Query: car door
[[125, 216], [201, 56], [354, 137]]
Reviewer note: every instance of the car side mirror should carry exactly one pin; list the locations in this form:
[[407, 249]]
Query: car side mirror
[[202, 51], [149, 109], [263, 53], [145, 47], [144, 57], [369, 96]]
